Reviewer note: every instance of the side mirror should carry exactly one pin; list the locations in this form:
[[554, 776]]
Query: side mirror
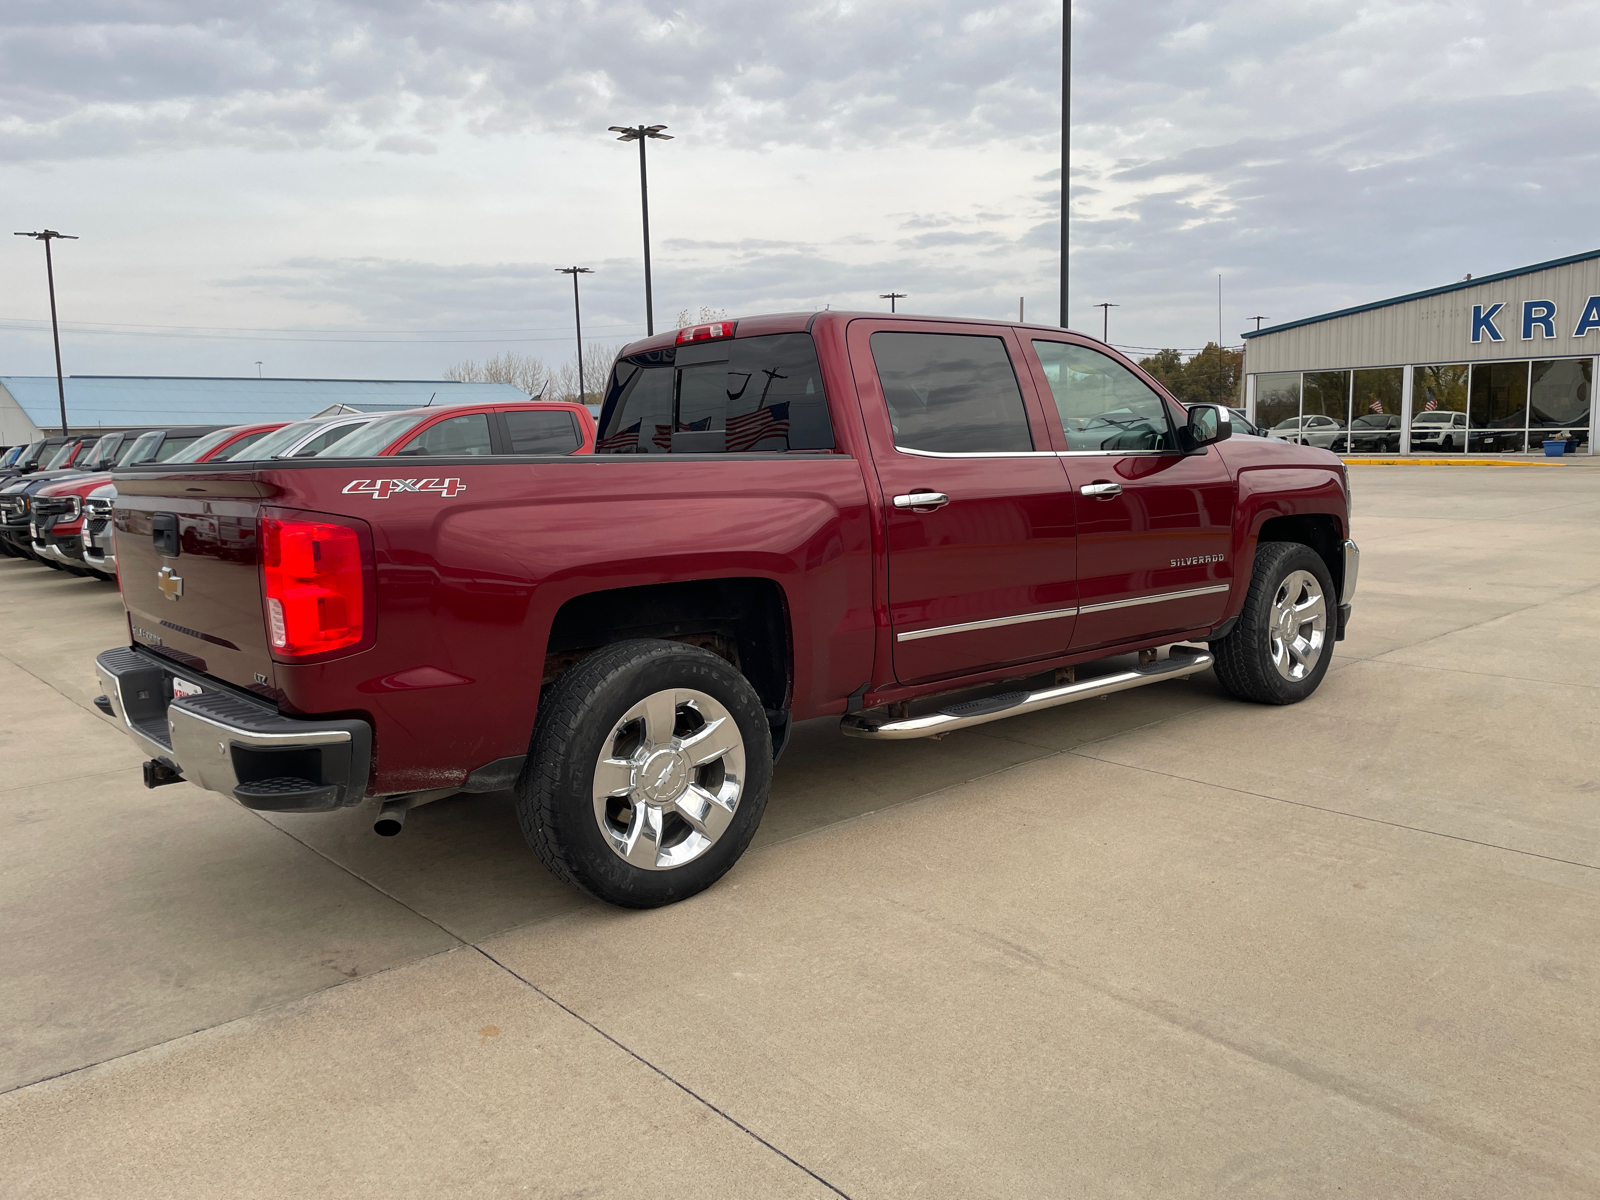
[[1207, 423]]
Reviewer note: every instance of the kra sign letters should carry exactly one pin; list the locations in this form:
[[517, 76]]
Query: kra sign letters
[[1536, 315]]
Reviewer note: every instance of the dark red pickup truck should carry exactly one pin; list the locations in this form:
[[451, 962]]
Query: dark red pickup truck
[[914, 524]]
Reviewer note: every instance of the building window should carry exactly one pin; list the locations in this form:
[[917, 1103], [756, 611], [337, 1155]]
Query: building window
[[1374, 411], [1439, 409], [1277, 399], [1497, 408], [1559, 402]]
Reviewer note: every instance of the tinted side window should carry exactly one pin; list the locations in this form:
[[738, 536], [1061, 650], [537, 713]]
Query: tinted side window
[[466, 434], [551, 432], [639, 407], [1103, 405], [952, 393]]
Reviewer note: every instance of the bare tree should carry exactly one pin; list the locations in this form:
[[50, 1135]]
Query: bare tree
[[706, 314], [523, 371], [539, 379]]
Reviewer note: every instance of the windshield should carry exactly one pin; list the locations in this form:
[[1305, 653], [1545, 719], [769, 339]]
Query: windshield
[[143, 447], [125, 451], [1432, 418], [272, 444], [371, 438], [12, 455], [32, 453], [102, 451], [174, 446], [200, 447], [61, 456]]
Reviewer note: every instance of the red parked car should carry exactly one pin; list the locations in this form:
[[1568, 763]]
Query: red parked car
[[913, 524]]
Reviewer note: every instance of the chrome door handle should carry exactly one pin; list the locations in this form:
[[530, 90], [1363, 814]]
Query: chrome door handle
[[922, 501], [1101, 491]]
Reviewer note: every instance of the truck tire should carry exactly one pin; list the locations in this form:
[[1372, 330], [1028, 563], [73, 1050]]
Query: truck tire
[[648, 773], [1280, 648]]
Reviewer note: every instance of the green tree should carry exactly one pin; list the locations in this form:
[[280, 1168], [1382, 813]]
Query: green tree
[[1213, 376]]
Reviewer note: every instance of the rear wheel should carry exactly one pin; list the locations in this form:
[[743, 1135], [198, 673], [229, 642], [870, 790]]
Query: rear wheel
[[1280, 649], [648, 773]]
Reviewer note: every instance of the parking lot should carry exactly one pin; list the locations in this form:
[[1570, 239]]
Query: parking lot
[[1158, 944]]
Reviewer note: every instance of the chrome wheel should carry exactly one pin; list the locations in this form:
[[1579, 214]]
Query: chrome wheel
[[1299, 625], [668, 779]]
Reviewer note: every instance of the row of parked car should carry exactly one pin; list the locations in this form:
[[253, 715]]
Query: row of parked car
[[56, 494], [1432, 430]]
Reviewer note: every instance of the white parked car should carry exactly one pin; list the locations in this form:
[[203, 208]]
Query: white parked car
[[1439, 430], [1308, 431]]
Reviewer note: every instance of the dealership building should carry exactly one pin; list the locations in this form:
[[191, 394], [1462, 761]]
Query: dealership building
[[1498, 364]]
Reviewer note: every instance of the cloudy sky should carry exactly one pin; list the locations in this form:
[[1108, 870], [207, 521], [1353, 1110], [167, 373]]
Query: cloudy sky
[[382, 189]]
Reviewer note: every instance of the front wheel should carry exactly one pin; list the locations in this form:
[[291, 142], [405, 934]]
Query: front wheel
[[648, 773], [1280, 648]]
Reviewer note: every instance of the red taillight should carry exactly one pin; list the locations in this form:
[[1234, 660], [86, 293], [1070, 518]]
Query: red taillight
[[314, 584], [706, 333]]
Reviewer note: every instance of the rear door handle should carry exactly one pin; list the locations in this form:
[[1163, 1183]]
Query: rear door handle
[[1101, 491], [922, 501]]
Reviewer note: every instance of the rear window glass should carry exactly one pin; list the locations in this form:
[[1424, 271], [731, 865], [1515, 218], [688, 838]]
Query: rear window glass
[[466, 434], [767, 395], [951, 393], [553, 431]]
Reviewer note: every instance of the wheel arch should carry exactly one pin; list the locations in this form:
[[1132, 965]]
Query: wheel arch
[[1321, 531], [742, 619]]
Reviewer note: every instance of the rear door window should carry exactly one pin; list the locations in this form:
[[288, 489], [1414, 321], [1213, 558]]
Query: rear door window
[[466, 434], [747, 395], [951, 393], [1103, 405], [547, 431]]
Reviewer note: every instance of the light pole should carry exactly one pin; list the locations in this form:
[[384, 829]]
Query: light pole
[[577, 317], [258, 368], [642, 134], [891, 297], [1066, 143], [45, 236], [1105, 308]]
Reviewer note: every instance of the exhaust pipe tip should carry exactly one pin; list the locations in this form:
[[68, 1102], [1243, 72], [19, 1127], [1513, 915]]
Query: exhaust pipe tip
[[391, 818]]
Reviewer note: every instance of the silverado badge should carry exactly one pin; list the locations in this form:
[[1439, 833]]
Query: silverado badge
[[170, 583]]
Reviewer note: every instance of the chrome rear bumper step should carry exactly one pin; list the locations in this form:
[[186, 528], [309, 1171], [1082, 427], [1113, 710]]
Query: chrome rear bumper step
[[1013, 704]]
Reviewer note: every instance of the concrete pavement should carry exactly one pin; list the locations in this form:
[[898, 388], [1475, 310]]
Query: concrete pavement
[[1160, 944]]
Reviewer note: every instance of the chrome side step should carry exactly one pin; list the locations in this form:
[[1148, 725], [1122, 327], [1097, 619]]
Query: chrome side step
[[1012, 704]]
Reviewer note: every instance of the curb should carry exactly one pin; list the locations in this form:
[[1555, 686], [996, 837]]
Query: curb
[[1452, 462]]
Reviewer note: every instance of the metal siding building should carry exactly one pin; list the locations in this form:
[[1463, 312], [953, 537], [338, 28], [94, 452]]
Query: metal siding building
[[1395, 353], [29, 405]]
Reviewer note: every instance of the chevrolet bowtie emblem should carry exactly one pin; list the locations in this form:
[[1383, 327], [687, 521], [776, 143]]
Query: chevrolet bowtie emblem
[[170, 583]]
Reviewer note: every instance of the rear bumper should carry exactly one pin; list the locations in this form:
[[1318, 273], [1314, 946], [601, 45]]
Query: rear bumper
[[225, 743]]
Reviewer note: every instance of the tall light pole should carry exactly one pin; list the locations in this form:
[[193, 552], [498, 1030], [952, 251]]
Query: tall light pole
[[891, 297], [642, 134], [1066, 143], [45, 236], [1105, 308], [577, 317]]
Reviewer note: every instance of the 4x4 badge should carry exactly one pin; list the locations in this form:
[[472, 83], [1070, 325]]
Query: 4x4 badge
[[382, 489], [170, 583]]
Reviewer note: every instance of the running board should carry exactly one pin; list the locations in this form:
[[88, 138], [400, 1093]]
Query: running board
[[1013, 704]]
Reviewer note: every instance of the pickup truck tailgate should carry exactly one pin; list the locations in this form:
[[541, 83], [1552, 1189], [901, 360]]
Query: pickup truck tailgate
[[189, 568]]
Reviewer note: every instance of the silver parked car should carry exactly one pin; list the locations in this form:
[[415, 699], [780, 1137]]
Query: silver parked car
[[1308, 431]]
